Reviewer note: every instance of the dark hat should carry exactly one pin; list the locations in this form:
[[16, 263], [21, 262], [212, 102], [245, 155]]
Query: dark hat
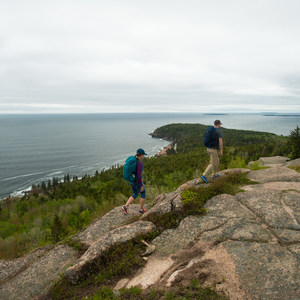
[[141, 151], [217, 122]]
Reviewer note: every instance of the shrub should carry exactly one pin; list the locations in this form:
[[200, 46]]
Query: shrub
[[194, 199], [237, 162], [104, 294]]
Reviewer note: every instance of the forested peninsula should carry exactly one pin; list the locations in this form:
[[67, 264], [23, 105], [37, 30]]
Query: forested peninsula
[[53, 211]]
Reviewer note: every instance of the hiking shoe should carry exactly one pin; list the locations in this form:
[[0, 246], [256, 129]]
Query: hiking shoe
[[124, 208], [216, 176], [204, 179], [142, 211]]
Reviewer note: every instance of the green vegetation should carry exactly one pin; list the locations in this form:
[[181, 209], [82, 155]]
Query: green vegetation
[[120, 260], [294, 140], [257, 166], [56, 210], [296, 168], [194, 199], [194, 291]]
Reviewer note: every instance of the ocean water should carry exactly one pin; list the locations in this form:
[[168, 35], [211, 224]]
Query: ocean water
[[35, 148]]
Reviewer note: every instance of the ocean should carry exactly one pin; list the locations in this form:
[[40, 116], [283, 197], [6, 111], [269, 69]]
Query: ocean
[[35, 148]]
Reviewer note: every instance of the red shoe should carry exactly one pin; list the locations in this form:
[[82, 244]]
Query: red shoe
[[142, 211], [124, 208]]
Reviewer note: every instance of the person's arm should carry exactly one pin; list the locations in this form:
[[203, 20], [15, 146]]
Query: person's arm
[[221, 146]]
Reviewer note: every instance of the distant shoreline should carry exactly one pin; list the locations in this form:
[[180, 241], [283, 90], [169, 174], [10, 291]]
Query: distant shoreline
[[216, 114], [275, 115]]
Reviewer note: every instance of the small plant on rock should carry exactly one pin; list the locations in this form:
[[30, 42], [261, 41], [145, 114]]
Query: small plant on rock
[[194, 198]]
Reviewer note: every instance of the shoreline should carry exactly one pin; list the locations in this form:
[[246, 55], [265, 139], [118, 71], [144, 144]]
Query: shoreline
[[22, 192], [163, 151]]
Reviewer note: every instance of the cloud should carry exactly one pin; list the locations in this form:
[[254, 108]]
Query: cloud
[[170, 54]]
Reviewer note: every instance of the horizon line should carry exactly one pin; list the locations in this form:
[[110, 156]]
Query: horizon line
[[151, 112]]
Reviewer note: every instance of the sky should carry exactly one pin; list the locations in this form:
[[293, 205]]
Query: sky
[[97, 56]]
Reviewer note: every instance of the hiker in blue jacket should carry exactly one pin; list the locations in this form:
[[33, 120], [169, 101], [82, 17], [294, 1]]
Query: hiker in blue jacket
[[137, 186], [214, 142]]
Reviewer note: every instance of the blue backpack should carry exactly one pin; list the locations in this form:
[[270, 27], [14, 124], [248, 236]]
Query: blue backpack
[[129, 169], [211, 139]]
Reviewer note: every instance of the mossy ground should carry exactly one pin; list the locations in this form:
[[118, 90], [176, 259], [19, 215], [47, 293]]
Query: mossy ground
[[193, 291], [121, 260]]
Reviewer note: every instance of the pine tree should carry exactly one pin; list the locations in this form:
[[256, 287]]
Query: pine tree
[[57, 230], [294, 140], [43, 186]]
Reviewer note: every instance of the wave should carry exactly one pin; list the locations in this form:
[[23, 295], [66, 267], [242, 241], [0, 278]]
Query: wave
[[21, 176], [55, 172], [20, 192]]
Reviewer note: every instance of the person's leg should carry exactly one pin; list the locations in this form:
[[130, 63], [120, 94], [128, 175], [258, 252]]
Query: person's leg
[[143, 196], [215, 162], [210, 166], [135, 193], [129, 201], [142, 201]]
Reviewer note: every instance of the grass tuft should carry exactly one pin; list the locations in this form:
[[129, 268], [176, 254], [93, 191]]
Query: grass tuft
[[295, 168], [257, 166]]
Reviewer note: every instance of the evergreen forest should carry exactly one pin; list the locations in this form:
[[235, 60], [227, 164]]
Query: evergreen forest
[[53, 211]]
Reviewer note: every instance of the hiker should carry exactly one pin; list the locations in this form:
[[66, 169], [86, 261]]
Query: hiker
[[132, 172], [213, 140]]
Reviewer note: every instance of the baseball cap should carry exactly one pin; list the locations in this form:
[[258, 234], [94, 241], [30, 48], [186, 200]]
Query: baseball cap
[[217, 122], [141, 151]]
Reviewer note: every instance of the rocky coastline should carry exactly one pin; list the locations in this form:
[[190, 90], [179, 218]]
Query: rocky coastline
[[163, 152]]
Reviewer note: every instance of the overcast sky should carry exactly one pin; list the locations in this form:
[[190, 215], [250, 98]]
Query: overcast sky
[[149, 56]]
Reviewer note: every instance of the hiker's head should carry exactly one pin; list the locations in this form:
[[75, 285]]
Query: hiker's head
[[217, 123], [140, 153]]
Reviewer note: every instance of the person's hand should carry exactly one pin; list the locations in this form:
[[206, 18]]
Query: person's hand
[[142, 189], [221, 152]]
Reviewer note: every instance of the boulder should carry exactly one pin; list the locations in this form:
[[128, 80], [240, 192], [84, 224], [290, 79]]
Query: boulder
[[37, 278], [189, 230], [164, 203], [96, 250], [265, 271], [239, 229], [274, 160], [267, 206], [99, 227], [274, 174], [240, 270], [9, 268], [293, 163]]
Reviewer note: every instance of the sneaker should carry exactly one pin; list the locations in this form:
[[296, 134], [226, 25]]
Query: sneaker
[[142, 211], [124, 208], [215, 176], [204, 179]]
